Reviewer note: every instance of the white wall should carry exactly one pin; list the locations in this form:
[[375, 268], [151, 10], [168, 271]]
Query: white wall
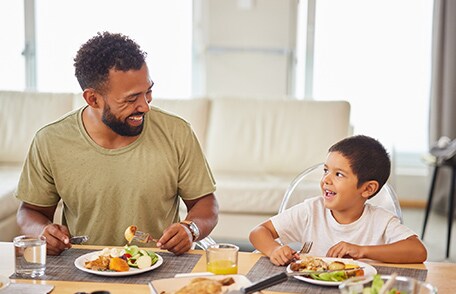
[[244, 47]]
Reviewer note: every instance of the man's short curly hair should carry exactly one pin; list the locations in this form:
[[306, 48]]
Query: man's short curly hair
[[101, 53]]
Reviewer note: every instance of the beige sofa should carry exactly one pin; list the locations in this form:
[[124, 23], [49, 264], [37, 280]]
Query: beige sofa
[[255, 148]]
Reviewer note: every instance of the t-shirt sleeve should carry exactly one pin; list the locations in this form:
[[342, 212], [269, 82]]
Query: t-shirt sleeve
[[291, 223], [395, 231], [36, 184], [195, 177]]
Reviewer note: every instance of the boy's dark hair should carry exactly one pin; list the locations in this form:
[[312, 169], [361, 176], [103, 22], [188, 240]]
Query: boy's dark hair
[[101, 53], [368, 159]]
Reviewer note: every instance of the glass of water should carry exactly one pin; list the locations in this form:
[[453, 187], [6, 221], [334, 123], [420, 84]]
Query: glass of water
[[30, 255]]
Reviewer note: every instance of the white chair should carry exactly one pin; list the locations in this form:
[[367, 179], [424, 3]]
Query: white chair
[[307, 185], [205, 243]]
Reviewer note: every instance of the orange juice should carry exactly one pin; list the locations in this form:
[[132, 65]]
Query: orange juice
[[222, 267]]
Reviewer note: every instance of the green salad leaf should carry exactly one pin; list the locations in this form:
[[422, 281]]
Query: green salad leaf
[[337, 276], [377, 284], [135, 252]]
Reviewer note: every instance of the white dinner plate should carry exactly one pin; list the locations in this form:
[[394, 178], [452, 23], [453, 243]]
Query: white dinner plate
[[171, 285], [368, 270], [81, 260], [4, 281]]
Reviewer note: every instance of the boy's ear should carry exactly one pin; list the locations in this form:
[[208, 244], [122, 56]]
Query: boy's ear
[[369, 188], [91, 97]]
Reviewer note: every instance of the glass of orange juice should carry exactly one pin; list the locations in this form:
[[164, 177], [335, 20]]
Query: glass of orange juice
[[222, 259]]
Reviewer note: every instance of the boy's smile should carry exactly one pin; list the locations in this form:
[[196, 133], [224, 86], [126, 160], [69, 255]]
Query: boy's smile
[[328, 194]]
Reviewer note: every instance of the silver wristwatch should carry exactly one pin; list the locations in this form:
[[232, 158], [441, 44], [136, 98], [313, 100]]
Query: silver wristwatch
[[193, 228]]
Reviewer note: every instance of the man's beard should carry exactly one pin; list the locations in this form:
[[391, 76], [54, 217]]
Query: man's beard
[[118, 126]]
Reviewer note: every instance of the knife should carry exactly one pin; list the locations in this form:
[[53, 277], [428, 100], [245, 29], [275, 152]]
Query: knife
[[262, 284]]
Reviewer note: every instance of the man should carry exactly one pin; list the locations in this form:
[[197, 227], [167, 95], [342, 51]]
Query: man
[[117, 161]]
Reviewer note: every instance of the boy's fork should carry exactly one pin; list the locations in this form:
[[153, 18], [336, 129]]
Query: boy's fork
[[305, 247]]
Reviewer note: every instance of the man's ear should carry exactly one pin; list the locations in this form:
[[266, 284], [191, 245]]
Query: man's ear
[[91, 97], [369, 188]]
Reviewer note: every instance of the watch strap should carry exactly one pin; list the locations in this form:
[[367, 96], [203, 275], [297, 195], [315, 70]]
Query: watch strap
[[190, 225]]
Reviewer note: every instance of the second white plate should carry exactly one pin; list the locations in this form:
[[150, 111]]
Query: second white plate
[[81, 260], [168, 286], [368, 270]]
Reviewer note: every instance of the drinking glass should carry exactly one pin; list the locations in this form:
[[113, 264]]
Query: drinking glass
[[402, 285], [222, 259], [30, 255]]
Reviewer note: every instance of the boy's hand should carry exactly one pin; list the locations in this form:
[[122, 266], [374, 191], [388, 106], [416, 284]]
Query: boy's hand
[[283, 255], [346, 250]]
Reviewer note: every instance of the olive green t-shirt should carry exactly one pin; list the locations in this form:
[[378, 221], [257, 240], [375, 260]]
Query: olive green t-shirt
[[106, 190]]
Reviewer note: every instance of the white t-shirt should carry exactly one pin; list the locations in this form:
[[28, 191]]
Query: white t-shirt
[[311, 221]]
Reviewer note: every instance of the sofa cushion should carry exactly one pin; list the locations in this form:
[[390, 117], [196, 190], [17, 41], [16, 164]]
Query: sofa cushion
[[9, 175], [245, 193], [195, 111], [273, 136], [22, 114]]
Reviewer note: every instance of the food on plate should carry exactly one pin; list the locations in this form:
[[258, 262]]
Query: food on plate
[[140, 258], [337, 270], [309, 264], [130, 233], [118, 264], [205, 286], [120, 260], [336, 265], [99, 264]]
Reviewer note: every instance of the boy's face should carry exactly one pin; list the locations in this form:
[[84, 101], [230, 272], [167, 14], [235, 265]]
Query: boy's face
[[339, 187]]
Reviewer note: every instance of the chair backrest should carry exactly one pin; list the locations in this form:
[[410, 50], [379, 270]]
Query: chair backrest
[[205, 243], [307, 184]]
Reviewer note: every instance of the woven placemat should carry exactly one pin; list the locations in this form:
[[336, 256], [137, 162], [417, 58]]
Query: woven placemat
[[264, 268], [62, 268]]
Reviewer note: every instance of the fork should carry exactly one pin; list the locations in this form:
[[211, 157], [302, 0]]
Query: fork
[[77, 240], [305, 247], [143, 237]]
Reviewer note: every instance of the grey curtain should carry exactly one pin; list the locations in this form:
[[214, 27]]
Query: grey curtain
[[442, 117]]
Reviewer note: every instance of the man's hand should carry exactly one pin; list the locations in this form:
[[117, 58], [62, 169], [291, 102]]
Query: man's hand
[[177, 238], [57, 238], [347, 250], [283, 255]]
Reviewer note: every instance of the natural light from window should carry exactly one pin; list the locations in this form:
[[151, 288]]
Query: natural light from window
[[12, 65], [162, 28], [377, 55]]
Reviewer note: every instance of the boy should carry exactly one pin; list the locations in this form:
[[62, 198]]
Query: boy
[[339, 222]]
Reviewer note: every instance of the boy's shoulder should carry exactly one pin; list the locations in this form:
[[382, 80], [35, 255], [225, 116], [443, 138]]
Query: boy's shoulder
[[378, 210]]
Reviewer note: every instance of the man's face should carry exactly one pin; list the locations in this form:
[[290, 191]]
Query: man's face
[[127, 101]]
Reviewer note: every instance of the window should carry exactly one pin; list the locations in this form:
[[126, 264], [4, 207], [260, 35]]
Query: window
[[377, 55], [162, 28], [12, 65]]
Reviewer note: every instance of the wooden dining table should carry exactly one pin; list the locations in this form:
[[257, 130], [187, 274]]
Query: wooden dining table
[[440, 274]]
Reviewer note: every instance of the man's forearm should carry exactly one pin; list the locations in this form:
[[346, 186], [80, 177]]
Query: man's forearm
[[204, 213], [33, 221]]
